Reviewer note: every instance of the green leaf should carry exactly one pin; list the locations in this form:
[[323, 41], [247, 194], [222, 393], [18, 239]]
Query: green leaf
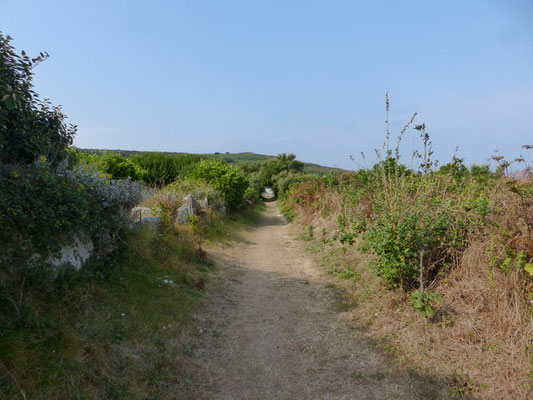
[[529, 268]]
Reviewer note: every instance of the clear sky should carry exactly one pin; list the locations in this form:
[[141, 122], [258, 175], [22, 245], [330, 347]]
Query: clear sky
[[307, 77]]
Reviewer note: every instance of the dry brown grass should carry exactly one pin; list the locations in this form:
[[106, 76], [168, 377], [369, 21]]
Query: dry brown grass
[[482, 336]]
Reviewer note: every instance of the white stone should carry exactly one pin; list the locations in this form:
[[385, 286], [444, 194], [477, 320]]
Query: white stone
[[190, 206], [77, 254]]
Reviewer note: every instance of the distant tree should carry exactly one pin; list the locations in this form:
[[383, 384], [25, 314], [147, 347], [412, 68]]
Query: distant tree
[[29, 127]]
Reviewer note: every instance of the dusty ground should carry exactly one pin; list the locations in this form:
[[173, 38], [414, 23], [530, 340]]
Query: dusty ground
[[276, 328]]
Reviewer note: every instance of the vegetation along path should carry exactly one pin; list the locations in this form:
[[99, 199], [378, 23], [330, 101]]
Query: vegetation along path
[[275, 328]]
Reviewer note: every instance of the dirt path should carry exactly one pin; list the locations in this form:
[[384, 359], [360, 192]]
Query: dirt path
[[275, 329]]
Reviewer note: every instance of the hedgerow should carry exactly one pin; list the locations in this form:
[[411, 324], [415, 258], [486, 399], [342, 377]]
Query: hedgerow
[[159, 169], [418, 223], [454, 243], [44, 202]]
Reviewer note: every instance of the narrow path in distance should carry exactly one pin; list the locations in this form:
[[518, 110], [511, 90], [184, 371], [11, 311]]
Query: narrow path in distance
[[274, 328]]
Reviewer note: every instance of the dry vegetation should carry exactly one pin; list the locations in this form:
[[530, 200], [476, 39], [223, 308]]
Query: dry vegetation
[[481, 335]]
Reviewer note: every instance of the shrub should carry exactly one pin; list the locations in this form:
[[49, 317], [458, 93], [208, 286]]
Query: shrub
[[227, 179], [29, 127], [159, 169], [120, 167], [286, 179], [43, 209], [409, 224], [272, 167], [251, 194]]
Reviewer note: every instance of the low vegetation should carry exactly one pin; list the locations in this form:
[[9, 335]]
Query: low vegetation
[[113, 328], [453, 244], [438, 259]]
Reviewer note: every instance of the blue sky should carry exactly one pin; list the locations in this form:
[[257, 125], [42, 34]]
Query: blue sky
[[307, 77]]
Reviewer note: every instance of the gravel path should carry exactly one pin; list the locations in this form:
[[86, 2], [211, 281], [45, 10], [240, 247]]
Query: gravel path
[[274, 329]]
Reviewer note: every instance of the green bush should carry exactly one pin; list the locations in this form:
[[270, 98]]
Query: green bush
[[272, 167], [159, 169], [30, 128], [287, 179], [43, 209], [120, 167], [251, 194], [227, 179], [417, 223], [278, 173], [403, 228]]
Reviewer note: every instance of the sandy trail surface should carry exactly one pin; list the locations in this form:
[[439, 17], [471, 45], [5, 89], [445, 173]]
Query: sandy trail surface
[[275, 328]]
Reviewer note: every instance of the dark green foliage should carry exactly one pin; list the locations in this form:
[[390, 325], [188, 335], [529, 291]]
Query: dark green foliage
[[286, 179], [456, 168], [227, 179], [161, 169], [42, 209], [391, 167], [119, 167], [251, 194], [273, 167], [417, 223], [29, 127], [399, 237], [481, 172], [277, 173], [36, 207]]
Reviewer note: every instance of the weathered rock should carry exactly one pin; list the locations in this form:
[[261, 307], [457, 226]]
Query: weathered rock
[[154, 220], [190, 206], [145, 215], [76, 254], [204, 204]]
